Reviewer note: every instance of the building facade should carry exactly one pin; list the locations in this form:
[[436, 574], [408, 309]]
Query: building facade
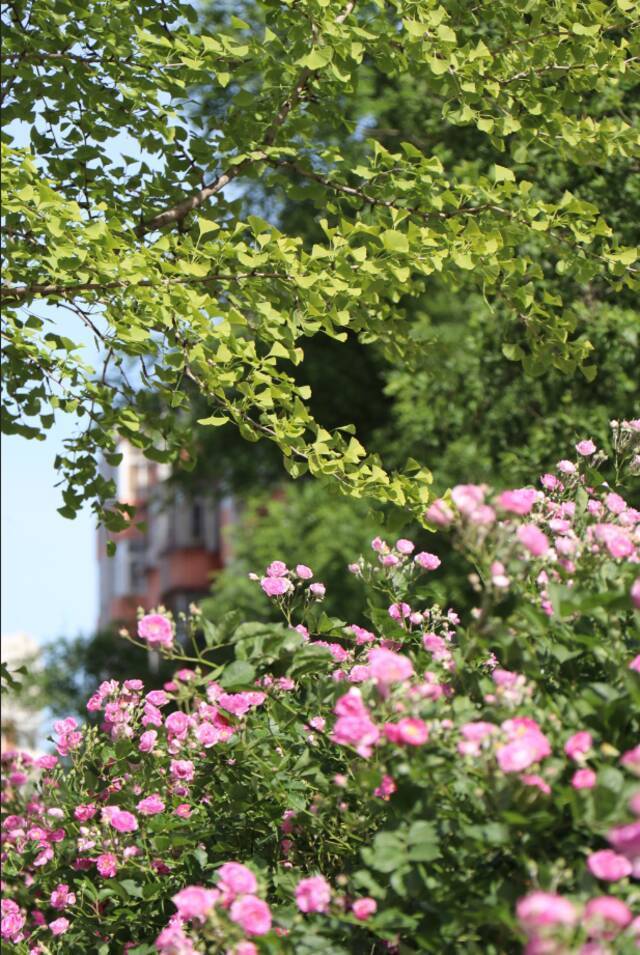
[[172, 562]]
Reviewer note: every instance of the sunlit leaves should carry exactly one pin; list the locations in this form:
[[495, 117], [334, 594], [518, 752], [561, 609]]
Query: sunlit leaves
[[189, 289]]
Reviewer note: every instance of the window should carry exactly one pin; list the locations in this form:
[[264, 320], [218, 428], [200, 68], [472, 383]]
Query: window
[[196, 521]]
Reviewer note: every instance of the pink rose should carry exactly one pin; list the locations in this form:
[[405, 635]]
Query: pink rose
[[277, 568], [412, 731], [195, 902], [151, 716], [579, 744], [313, 894], [83, 813], [398, 611], [386, 788], [107, 865], [156, 629], [182, 769], [123, 821], [237, 879], [427, 561], [318, 590], [543, 908], [528, 748], [356, 731], [147, 741], [583, 779], [586, 448], [388, 667], [535, 541], [276, 586], [364, 908], [615, 503], [12, 921], [177, 724], [438, 513], [61, 897], [404, 546], [626, 839], [245, 948], [550, 482], [608, 865], [151, 806], [351, 704], [477, 731], [172, 939], [359, 674], [304, 572], [380, 546], [635, 593], [467, 497], [606, 912], [435, 644], [251, 914], [483, 515], [619, 545], [59, 926], [390, 560], [631, 759], [519, 501]]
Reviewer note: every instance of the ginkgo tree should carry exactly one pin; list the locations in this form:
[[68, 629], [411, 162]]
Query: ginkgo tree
[[126, 206]]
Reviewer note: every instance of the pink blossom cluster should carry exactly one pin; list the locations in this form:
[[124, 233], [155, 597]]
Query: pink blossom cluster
[[280, 581], [552, 922], [546, 526], [69, 737], [401, 555], [235, 898], [354, 726], [517, 744], [414, 697]]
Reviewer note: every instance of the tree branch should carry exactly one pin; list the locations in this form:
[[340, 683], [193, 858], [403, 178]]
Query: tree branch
[[20, 293], [177, 213]]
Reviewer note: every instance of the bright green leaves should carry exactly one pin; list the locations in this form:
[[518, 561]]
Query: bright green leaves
[[317, 59], [159, 252], [396, 851], [394, 241], [502, 174]]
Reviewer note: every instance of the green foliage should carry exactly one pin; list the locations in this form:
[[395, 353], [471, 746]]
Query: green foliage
[[10, 678], [303, 519], [466, 409], [316, 770], [160, 252]]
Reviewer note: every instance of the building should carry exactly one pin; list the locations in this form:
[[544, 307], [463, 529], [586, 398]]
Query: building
[[172, 562]]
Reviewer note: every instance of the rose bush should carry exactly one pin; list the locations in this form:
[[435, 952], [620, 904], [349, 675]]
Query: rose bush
[[408, 782]]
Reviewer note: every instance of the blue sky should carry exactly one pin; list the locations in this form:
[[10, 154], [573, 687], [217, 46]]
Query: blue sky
[[49, 585], [49, 568]]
